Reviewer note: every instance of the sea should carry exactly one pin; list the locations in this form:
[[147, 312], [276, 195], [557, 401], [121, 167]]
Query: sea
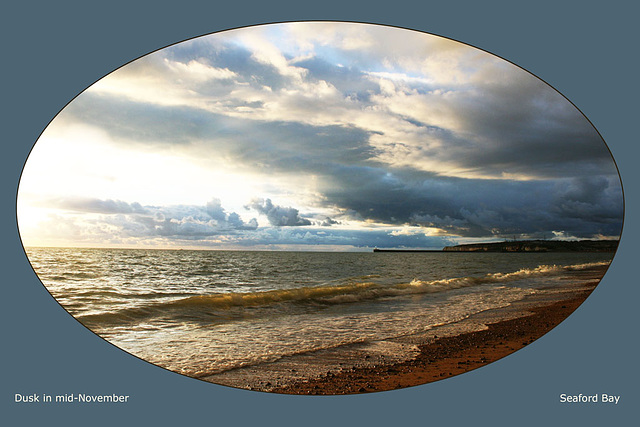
[[219, 314]]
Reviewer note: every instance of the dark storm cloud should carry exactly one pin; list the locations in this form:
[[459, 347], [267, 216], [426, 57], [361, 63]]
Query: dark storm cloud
[[595, 201], [480, 208], [522, 127], [279, 216], [590, 190]]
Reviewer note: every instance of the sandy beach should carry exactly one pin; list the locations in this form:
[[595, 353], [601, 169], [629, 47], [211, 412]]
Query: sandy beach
[[445, 357]]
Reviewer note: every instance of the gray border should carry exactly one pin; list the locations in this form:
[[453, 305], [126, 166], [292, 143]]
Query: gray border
[[51, 52]]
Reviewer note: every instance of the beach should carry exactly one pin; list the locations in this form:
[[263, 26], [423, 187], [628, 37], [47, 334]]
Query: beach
[[445, 357], [442, 353], [318, 323]]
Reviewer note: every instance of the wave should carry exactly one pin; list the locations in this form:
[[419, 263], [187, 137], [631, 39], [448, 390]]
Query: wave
[[586, 265], [227, 306]]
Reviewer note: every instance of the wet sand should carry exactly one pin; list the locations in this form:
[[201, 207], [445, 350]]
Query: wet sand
[[444, 357], [437, 353]]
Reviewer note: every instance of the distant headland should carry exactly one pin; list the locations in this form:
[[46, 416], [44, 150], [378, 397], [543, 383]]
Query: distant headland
[[525, 246]]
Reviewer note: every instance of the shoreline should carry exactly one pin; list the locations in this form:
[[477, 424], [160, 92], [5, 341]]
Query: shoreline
[[446, 356], [436, 353]]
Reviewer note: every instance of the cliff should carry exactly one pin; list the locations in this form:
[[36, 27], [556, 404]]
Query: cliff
[[538, 246]]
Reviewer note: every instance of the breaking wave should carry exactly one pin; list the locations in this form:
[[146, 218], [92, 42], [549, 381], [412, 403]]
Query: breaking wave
[[228, 306]]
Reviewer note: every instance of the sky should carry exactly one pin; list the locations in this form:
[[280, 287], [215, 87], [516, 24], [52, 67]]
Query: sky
[[317, 136]]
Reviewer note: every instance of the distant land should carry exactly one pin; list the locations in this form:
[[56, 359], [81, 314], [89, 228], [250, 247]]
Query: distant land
[[525, 246]]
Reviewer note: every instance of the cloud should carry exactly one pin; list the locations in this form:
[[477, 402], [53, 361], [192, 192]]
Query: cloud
[[133, 219], [483, 128], [208, 220], [478, 208], [177, 226], [366, 124], [278, 216], [518, 128], [382, 238], [327, 222], [85, 204]]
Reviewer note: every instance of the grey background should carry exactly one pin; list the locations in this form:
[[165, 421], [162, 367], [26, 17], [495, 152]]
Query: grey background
[[52, 51]]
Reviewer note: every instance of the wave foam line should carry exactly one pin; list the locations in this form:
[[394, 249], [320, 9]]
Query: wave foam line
[[221, 304]]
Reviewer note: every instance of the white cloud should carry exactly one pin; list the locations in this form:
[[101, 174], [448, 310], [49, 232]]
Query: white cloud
[[197, 71]]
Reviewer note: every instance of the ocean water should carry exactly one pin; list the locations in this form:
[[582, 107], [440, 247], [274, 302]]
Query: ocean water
[[202, 313]]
